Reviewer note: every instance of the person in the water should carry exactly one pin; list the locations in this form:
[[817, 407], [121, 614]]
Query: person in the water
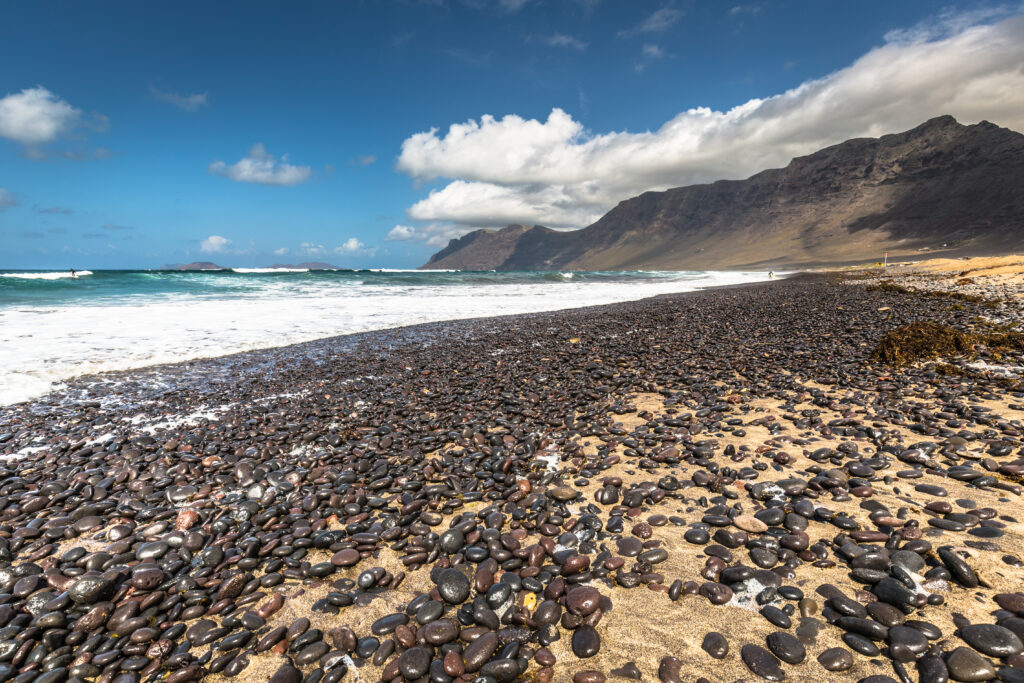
[[73, 273], [771, 274]]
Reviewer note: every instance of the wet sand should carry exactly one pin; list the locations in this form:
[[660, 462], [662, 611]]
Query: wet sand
[[551, 437]]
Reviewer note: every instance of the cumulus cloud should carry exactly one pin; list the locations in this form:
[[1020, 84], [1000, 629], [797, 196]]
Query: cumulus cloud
[[563, 40], [184, 102], [35, 116], [661, 20], [366, 159], [214, 244], [401, 233], [281, 251], [350, 246], [7, 199], [262, 168], [554, 172], [312, 249]]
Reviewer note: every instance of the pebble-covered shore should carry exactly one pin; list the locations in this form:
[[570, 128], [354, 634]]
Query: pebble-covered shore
[[715, 486]]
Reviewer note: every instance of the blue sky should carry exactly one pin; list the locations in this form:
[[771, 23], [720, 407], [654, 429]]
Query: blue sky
[[138, 134]]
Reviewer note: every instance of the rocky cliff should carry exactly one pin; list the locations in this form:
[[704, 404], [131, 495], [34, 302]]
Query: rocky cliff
[[942, 186]]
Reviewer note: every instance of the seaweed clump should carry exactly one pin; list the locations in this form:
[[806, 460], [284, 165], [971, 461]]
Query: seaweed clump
[[928, 341], [922, 341], [1002, 341], [892, 288], [889, 286]]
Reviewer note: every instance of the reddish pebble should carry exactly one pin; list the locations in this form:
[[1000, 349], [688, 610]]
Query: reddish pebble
[[453, 664], [270, 605]]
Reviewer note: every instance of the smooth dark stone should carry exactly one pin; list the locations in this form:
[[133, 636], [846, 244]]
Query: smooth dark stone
[[480, 650], [453, 586], [585, 642], [414, 662], [992, 640], [864, 627], [776, 616], [669, 670], [860, 644], [628, 671], [786, 647], [932, 669], [836, 659], [961, 571], [762, 662], [716, 645], [965, 664], [906, 643]]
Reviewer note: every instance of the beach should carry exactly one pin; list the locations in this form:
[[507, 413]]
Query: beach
[[579, 495]]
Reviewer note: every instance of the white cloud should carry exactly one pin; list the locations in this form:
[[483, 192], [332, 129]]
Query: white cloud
[[401, 233], [281, 251], [7, 199], [312, 249], [653, 51], [947, 23], [184, 102], [350, 246], [563, 40], [754, 8], [36, 115], [214, 244], [662, 20], [649, 54], [556, 173], [485, 204], [263, 168]]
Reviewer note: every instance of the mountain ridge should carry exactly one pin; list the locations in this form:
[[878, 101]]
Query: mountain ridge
[[941, 186]]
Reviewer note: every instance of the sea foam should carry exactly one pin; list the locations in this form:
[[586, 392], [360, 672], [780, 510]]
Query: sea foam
[[44, 345]]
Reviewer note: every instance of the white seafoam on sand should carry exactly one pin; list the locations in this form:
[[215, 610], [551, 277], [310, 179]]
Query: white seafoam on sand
[[41, 346]]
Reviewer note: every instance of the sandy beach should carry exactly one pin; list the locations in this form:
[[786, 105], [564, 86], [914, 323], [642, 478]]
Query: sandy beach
[[574, 496]]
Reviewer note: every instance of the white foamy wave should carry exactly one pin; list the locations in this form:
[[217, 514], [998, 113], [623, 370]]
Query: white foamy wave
[[270, 270], [40, 347], [47, 276], [409, 270]]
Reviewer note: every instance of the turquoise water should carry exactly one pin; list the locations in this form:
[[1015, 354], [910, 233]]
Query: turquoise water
[[54, 327], [49, 288]]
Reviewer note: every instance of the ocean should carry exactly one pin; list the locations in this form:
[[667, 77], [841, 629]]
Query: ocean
[[54, 327]]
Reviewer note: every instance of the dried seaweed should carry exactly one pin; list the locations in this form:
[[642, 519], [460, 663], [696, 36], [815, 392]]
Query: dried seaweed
[[922, 341]]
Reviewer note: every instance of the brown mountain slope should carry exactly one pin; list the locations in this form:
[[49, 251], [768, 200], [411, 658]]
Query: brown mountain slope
[[942, 186]]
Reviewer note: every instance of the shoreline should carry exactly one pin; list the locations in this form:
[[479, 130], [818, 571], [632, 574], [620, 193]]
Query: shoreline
[[69, 384], [621, 435]]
